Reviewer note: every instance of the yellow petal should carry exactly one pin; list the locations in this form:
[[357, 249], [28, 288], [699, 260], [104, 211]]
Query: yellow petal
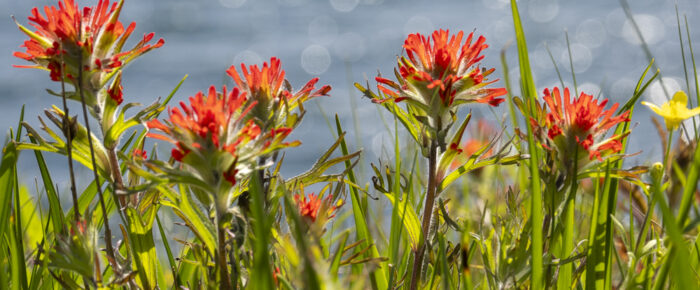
[[690, 113], [680, 97], [654, 108]]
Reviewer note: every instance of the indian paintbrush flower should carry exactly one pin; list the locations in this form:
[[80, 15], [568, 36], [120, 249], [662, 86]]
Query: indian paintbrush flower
[[211, 136], [579, 126], [438, 76], [272, 93], [674, 111], [69, 39], [312, 205]]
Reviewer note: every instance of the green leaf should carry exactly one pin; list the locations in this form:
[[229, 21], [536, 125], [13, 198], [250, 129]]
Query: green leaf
[[378, 276], [409, 217], [530, 94], [140, 227], [7, 182]]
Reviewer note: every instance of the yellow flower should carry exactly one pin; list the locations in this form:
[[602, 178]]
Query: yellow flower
[[675, 110]]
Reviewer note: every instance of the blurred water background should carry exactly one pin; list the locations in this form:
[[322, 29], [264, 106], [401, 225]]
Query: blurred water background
[[346, 41]]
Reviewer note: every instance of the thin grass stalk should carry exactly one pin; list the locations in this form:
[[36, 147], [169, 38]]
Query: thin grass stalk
[[695, 70], [108, 231], [571, 62], [427, 214], [685, 65], [67, 126]]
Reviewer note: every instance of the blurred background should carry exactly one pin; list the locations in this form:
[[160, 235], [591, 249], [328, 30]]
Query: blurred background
[[347, 41]]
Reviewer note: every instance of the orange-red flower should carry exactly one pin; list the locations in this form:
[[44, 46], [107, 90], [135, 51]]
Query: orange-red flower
[[212, 130], [580, 125], [269, 89], [91, 36], [311, 206], [444, 68]]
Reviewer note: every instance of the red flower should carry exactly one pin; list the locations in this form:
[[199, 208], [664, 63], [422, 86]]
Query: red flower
[[268, 88], [444, 68], [203, 123], [92, 36], [212, 128], [310, 207], [582, 122]]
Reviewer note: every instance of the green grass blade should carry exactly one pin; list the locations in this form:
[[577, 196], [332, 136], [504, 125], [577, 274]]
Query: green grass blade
[[55, 209], [530, 94], [7, 179], [378, 277], [168, 251]]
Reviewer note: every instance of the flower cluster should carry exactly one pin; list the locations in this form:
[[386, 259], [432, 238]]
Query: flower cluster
[[69, 39], [439, 74], [272, 93], [578, 127], [438, 77], [310, 207], [211, 136]]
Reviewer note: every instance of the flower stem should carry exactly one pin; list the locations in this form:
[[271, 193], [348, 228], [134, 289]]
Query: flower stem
[[667, 154], [221, 264], [427, 214], [117, 178]]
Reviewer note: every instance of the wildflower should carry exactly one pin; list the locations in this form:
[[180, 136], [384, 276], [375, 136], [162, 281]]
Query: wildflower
[[446, 69], [93, 36], [272, 93], [311, 206], [210, 135], [674, 111], [580, 126], [438, 76]]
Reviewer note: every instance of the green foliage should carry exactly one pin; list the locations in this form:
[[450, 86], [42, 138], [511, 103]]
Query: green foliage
[[501, 216]]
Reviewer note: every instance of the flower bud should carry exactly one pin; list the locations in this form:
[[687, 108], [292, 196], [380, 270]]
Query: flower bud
[[657, 171]]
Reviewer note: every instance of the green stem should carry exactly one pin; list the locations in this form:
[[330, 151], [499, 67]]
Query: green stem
[[221, 263], [567, 245], [427, 214], [667, 154]]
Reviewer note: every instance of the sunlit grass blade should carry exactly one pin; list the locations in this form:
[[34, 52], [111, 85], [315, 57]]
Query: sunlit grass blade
[[7, 184], [530, 95], [168, 251], [55, 209], [378, 277]]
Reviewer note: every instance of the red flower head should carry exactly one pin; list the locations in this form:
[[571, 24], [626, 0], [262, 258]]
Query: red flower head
[[581, 125], [444, 68], [210, 134], [92, 37], [270, 90], [437, 75], [311, 206]]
